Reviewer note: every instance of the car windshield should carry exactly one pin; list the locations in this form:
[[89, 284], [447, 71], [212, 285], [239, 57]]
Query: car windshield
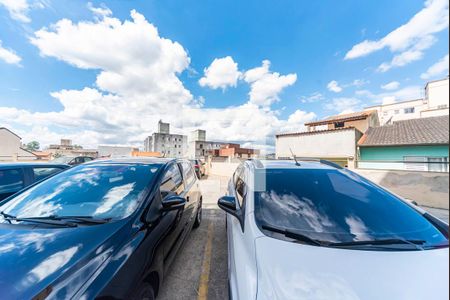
[[62, 160], [337, 207], [97, 190]]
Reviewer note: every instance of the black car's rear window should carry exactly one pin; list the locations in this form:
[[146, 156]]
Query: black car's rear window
[[338, 206]]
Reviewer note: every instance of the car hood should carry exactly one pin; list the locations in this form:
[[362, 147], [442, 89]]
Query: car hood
[[289, 270], [51, 261]]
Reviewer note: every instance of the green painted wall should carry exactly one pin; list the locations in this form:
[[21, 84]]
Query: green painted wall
[[397, 153]]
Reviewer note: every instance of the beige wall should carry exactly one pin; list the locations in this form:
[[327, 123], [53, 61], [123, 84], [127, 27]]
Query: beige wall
[[426, 188], [340, 143], [10, 147], [437, 93]]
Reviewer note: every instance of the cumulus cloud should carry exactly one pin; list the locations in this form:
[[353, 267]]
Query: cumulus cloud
[[344, 105], [222, 73], [9, 56], [438, 69], [137, 84], [407, 93], [333, 86], [265, 86], [393, 85], [410, 39]]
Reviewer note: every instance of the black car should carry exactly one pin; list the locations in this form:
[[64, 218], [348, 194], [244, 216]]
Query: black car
[[106, 229], [16, 176], [72, 160]]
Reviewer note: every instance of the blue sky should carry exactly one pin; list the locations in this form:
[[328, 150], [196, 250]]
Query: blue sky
[[318, 66]]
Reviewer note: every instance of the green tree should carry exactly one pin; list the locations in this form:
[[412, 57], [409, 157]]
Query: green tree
[[33, 146]]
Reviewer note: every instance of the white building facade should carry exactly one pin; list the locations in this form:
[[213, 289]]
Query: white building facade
[[435, 103]]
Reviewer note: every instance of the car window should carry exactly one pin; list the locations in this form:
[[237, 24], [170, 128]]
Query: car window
[[241, 187], [86, 159], [43, 172], [11, 180], [172, 181], [97, 190], [188, 173], [338, 206]]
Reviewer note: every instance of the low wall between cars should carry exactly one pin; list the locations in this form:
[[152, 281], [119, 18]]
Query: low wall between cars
[[426, 188], [225, 169]]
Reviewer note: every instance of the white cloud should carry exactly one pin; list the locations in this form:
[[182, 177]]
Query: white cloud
[[137, 84], [438, 69], [314, 97], [222, 73], [407, 93], [344, 105], [9, 56], [393, 85], [333, 86], [19, 9], [410, 39], [265, 86], [301, 117], [101, 11]]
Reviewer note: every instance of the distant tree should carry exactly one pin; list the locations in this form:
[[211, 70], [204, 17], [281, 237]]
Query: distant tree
[[77, 147], [33, 146]]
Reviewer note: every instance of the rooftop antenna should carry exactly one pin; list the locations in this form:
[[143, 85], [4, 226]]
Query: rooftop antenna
[[295, 158]]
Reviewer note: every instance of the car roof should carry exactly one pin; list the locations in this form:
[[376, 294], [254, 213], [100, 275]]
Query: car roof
[[133, 160], [291, 164], [31, 164]]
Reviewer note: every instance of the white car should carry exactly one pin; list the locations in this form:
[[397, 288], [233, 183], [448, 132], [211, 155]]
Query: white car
[[312, 230]]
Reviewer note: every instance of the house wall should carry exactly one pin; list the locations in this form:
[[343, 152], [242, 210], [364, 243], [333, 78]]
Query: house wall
[[437, 94], [398, 153], [10, 147], [340, 143], [396, 111]]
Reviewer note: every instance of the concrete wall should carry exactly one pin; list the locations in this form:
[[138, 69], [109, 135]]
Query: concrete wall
[[222, 168], [340, 143], [428, 189], [398, 153]]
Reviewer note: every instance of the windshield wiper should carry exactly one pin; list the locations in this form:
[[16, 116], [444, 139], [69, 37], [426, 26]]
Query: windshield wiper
[[394, 241], [78, 219], [294, 235], [55, 222]]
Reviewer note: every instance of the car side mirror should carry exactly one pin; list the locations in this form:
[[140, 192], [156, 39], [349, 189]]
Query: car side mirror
[[228, 204], [173, 202]]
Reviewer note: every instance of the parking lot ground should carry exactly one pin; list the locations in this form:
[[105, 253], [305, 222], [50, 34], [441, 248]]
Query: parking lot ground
[[200, 268]]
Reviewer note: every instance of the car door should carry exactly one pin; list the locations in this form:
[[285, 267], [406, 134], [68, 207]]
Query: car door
[[191, 190], [172, 184], [236, 235], [11, 181]]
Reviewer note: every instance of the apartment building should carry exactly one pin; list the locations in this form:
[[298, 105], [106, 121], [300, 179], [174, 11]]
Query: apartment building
[[166, 143], [435, 103]]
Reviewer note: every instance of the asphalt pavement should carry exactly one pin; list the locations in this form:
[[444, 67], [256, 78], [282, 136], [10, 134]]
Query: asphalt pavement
[[200, 268]]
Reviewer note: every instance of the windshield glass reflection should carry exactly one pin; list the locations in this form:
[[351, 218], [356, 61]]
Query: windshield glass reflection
[[337, 206], [103, 191]]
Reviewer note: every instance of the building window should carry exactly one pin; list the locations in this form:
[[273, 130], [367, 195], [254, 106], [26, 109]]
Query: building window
[[410, 110], [423, 163], [339, 124], [397, 111], [438, 164]]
